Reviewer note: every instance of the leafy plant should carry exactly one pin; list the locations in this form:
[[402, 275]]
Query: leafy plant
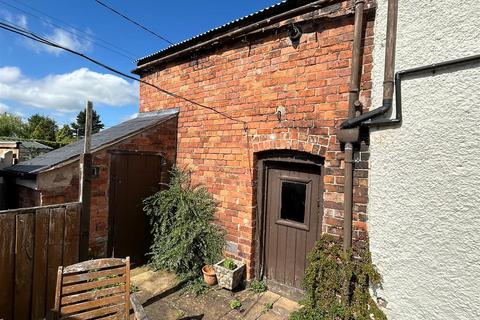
[[181, 217], [258, 286], [134, 288], [235, 304], [12, 125], [337, 283], [229, 264], [197, 287]]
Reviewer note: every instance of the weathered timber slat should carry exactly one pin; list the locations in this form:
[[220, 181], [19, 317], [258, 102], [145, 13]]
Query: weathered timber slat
[[93, 275], [111, 300], [137, 308], [93, 284], [71, 235], [97, 312], [7, 265], [94, 265], [55, 250], [25, 225], [90, 295], [111, 317], [42, 219]]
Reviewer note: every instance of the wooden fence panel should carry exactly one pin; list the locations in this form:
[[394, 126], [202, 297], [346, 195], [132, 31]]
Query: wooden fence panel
[[42, 220], [33, 243], [23, 265], [7, 265], [72, 235], [55, 252]]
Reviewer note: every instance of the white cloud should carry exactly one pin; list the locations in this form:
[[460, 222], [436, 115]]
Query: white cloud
[[9, 74], [66, 37], [22, 21], [3, 108], [130, 117], [18, 19], [66, 92]]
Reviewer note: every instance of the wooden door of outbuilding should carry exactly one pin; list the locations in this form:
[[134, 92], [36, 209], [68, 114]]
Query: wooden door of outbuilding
[[293, 221], [133, 177]]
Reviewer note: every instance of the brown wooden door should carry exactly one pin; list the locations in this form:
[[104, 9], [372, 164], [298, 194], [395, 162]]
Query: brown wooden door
[[133, 177], [293, 221]]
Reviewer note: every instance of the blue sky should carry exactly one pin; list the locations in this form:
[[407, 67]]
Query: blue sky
[[38, 79]]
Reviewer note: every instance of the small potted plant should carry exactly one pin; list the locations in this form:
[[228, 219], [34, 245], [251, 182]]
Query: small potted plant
[[209, 275], [229, 273]]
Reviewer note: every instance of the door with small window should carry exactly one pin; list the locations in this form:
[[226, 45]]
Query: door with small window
[[293, 220]]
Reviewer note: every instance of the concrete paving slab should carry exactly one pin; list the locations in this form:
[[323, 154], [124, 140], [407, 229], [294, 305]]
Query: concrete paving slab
[[163, 298]]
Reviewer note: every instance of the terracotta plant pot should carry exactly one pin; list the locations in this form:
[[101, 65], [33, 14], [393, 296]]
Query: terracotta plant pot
[[209, 275]]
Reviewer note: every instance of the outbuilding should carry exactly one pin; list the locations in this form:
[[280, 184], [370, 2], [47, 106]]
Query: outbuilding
[[129, 160], [264, 95]]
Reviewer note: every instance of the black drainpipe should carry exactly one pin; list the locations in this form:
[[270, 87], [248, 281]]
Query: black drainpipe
[[353, 101], [369, 122], [388, 82], [349, 130]]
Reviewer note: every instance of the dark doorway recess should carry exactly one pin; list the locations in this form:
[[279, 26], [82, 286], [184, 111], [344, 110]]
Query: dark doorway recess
[[133, 177], [289, 217]]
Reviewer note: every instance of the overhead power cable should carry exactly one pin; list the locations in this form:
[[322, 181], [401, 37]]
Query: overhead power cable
[[28, 34], [73, 30], [132, 21]]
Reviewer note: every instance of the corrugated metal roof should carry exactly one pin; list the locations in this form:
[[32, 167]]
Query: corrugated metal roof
[[100, 139], [260, 14]]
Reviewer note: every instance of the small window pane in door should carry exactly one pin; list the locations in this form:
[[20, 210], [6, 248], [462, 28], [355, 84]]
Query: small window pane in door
[[293, 201]]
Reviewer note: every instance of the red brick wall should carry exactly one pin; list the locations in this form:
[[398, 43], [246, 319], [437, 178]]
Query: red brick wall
[[248, 81], [161, 138]]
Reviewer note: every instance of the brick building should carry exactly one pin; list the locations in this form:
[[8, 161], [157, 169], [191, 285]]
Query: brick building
[[279, 81], [264, 97], [129, 161]]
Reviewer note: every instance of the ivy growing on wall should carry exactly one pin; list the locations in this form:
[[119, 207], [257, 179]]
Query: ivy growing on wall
[[337, 283]]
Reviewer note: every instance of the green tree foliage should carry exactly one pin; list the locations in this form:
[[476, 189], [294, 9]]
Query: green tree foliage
[[337, 283], [78, 127], [41, 128], [64, 135], [11, 126], [181, 217]]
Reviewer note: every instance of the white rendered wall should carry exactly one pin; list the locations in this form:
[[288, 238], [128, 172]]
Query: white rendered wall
[[424, 183]]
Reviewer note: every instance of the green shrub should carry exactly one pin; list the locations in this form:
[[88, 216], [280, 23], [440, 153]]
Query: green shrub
[[258, 286], [197, 287], [337, 283], [229, 264], [184, 236], [235, 304]]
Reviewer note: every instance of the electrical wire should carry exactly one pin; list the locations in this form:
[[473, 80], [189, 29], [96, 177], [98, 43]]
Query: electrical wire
[[78, 33], [28, 34], [132, 21]]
